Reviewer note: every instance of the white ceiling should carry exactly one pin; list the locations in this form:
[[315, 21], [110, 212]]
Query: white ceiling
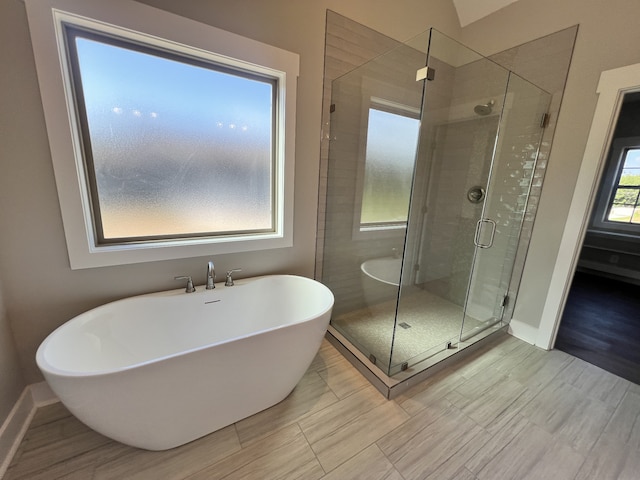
[[471, 10]]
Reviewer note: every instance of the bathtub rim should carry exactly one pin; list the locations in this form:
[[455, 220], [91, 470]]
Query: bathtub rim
[[47, 368]]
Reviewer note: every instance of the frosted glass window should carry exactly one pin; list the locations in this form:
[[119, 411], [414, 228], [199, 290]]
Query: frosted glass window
[[169, 138], [392, 139], [174, 146]]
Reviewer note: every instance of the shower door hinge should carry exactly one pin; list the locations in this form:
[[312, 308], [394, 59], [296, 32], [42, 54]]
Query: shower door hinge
[[544, 121], [505, 301], [425, 72], [332, 108]]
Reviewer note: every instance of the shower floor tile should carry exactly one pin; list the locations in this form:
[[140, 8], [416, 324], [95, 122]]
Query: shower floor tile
[[430, 321]]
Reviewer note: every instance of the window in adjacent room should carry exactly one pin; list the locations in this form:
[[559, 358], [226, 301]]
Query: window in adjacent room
[[624, 207], [617, 209]]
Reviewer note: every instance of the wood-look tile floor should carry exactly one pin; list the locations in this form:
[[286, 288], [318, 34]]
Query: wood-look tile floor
[[507, 412]]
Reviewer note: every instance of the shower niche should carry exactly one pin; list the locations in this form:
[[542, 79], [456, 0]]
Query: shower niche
[[431, 156]]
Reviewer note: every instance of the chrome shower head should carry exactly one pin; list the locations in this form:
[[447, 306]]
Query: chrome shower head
[[484, 109]]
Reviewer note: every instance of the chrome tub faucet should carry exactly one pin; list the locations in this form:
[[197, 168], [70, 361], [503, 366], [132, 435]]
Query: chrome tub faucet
[[211, 276]]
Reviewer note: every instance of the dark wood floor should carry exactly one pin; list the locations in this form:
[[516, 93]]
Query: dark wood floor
[[601, 324]]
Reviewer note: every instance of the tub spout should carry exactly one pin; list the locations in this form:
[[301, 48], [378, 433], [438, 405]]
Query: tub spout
[[211, 276]]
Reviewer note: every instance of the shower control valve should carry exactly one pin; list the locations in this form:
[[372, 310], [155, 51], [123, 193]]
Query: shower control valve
[[475, 194]]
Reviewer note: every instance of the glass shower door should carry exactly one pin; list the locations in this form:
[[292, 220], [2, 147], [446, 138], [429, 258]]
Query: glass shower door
[[463, 100], [498, 231]]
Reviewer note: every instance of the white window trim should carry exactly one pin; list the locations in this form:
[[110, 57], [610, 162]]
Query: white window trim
[[599, 222], [185, 35]]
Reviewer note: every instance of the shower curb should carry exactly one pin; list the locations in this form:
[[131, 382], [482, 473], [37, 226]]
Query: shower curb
[[391, 388]]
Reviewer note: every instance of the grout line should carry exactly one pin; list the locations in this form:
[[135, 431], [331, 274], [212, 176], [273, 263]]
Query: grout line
[[311, 448]]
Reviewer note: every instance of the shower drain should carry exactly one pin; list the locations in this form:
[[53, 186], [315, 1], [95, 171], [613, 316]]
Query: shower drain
[[404, 325]]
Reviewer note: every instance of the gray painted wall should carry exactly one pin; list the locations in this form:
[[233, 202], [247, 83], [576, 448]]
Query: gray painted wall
[[11, 379]]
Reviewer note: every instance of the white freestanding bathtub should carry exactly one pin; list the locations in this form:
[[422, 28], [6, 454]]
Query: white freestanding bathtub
[[159, 370]]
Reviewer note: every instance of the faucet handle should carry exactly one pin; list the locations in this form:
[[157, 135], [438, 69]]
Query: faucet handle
[[229, 281], [190, 288]]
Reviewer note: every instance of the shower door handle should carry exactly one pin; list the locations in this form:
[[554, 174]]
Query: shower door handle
[[476, 239]]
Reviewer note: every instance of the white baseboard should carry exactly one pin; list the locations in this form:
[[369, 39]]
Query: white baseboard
[[42, 394], [14, 428], [523, 331], [17, 422]]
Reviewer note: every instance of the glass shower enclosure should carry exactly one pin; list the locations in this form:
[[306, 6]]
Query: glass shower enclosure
[[429, 173]]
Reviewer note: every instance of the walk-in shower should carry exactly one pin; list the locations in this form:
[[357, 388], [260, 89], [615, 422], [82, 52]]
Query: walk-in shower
[[429, 172]]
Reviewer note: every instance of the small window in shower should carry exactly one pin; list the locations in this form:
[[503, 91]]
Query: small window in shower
[[392, 140]]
